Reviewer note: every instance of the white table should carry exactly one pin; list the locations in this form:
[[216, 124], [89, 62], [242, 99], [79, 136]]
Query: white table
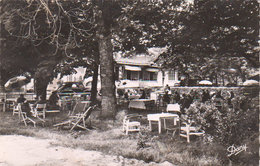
[[140, 103], [158, 118]]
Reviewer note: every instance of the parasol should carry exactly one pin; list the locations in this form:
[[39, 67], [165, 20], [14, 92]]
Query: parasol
[[251, 83], [205, 82]]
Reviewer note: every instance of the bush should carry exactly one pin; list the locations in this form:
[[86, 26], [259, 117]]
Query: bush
[[226, 125]]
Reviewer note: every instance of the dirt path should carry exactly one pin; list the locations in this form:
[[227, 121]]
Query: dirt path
[[29, 151]]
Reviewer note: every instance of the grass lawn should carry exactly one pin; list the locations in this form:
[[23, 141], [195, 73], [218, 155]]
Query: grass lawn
[[106, 136]]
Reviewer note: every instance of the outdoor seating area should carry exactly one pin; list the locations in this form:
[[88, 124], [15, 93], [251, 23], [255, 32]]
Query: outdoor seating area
[[35, 112], [169, 118], [165, 112]]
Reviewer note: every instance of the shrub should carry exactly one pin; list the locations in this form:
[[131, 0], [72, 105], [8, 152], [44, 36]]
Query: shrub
[[226, 125]]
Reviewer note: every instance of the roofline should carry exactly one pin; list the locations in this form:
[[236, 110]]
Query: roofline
[[137, 64]]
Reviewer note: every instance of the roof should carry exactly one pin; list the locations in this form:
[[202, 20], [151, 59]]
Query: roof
[[141, 59], [137, 60]]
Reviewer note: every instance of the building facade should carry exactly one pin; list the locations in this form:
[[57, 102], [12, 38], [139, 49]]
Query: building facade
[[141, 71]]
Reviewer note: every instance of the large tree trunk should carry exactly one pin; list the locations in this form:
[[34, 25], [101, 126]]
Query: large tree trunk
[[108, 101], [2, 85], [41, 87]]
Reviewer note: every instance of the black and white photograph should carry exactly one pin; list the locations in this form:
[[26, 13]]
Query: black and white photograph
[[129, 82]]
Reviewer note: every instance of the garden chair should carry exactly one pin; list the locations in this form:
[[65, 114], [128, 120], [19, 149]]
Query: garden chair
[[25, 119], [188, 130], [171, 127], [77, 120], [80, 121], [16, 109], [78, 108], [39, 110], [131, 123]]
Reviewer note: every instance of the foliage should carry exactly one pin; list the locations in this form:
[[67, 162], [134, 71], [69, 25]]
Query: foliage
[[213, 36], [226, 125]]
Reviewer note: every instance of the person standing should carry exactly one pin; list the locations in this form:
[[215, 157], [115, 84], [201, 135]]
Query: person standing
[[205, 96], [166, 98], [143, 95]]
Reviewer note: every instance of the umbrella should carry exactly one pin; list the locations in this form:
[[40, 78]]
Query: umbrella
[[250, 83], [231, 70], [17, 82], [205, 82]]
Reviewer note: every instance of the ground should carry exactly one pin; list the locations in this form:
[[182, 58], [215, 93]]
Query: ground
[[26, 151], [105, 143]]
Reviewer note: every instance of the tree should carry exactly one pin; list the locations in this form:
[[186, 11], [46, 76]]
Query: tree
[[58, 24], [214, 36], [63, 24]]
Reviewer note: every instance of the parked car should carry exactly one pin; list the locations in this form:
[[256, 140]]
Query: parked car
[[71, 88]]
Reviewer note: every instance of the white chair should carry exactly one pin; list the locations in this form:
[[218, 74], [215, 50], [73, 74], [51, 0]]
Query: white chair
[[173, 108], [188, 130], [130, 123], [16, 109], [39, 110]]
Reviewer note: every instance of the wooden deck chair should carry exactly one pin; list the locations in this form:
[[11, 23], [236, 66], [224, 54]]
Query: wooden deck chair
[[130, 123], [78, 120], [25, 119], [188, 130], [78, 108]]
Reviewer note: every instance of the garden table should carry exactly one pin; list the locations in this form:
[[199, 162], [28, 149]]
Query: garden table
[[159, 117], [141, 104]]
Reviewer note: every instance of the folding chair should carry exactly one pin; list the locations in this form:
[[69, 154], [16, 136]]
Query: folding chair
[[78, 120], [25, 119], [188, 130], [130, 123]]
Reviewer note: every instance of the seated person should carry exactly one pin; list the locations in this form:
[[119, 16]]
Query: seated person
[[166, 98], [26, 108], [40, 101], [53, 99], [24, 104], [21, 99]]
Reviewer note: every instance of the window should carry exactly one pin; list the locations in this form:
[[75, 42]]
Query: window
[[132, 75], [151, 76], [171, 75]]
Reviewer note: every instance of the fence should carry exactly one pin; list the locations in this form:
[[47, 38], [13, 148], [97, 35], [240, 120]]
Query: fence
[[12, 96]]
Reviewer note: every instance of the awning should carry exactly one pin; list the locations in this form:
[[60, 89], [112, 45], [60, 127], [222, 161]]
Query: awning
[[132, 68], [152, 69]]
